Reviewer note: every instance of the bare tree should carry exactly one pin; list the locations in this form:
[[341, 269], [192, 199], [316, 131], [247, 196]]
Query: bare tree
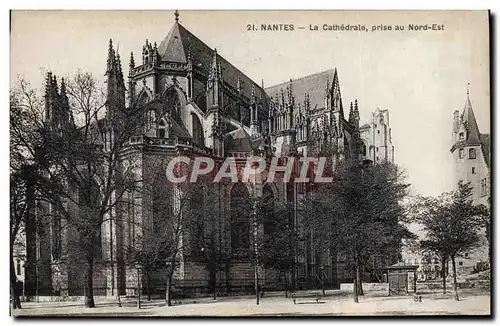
[[79, 162], [451, 225], [173, 230], [25, 122], [278, 239], [360, 213]]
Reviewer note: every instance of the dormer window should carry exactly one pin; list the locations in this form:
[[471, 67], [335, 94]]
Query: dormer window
[[472, 153], [461, 136], [461, 153]]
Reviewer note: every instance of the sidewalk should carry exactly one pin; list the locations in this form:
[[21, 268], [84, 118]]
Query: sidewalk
[[371, 304]]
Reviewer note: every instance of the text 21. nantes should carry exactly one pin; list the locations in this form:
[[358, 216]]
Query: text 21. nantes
[[271, 27]]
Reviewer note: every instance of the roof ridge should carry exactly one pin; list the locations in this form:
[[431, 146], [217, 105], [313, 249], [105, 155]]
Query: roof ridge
[[182, 29], [302, 77]]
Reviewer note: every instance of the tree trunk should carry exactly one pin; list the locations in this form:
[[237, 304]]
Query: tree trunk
[[148, 285], [14, 288], [355, 283], [118, 299], [214, 280], [89, 285], [354, 287], [360, 286], [286, 285], [359, 282], [443, 273], [138, 288], [455, 286], [256, 284], [168, 291]]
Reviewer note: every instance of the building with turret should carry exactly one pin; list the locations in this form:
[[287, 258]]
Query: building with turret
[[472, 157], [471, 151], [196, 102]]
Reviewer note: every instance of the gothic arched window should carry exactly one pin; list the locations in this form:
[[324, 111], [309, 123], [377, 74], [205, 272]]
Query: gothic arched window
[[143, 99], [173, 103], [201, 102], [198, 136], [267, 210], [240, 220], [347, 149], [197, 217], [162, 202]]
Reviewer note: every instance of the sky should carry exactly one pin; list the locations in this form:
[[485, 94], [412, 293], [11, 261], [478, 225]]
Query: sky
[[421, 77]]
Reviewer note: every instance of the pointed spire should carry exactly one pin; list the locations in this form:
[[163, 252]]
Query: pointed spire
[[252, 94], [214, 92], [355, 112], [190, 54], [131, 64], [54, 85], [176, 14], [64, 97], [63, 87], [111, 58], [307, 102], [238, 84], [48, 84], [119, 71], [219, 70], [214, 72], [351, 113], [469, 119]]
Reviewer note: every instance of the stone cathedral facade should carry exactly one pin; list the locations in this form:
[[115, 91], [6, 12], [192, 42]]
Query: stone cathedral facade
[[196, 102]]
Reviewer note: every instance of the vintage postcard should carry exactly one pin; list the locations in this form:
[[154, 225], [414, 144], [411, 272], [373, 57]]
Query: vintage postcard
[[250, 163]]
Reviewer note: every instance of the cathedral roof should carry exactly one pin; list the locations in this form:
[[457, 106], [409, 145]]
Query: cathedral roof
[[171, 48], [238, 140], [365, 126], [178, 129], [470, 122], [179, 42], [485, 146], [314, 85]]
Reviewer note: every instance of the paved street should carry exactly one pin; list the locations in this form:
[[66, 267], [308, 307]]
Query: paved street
[[333, 305]]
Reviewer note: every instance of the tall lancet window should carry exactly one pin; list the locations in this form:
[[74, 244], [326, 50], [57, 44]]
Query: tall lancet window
[[198, 136], [151, 118], [173, 102]]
